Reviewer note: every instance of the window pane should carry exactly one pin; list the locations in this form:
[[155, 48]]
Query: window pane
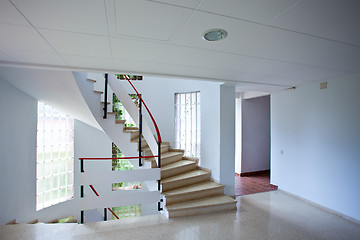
[[187, 123], [55, 157]]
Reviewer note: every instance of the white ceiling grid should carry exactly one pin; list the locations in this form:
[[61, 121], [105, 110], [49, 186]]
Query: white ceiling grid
[[274, 44]]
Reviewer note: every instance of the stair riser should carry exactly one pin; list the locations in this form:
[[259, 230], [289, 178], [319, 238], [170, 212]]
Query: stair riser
[[185, 182], [168, 160], [143, 143], [163, 149], [195, 195], [203, 210], [178, 170], [134, 135]]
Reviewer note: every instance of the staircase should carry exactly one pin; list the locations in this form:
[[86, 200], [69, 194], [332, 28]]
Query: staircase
[[188, 188]]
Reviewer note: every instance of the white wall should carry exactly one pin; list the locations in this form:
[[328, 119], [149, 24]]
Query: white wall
[[91, 142], [18, 123], [158, 94], [255, 134], [238, 134], [318, 133], [227, 138]]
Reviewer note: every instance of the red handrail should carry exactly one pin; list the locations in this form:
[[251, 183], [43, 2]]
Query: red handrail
[[147, 109], [92, 187], [118, 158], [113, 213]]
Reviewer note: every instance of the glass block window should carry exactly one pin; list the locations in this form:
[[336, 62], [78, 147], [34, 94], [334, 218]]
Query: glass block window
[[55, 157], [127, 211], [187, 123]]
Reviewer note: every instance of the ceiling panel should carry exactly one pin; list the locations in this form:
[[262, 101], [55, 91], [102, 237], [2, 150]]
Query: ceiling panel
[[149, 20], [200, 22], [37, 58], [221, 61], [84, 16], [6, 58], [307, 73], [273, 43], [22, 38], [316, 17], [183, 3], [9, 14], [78, 44], [348, 33], [137, 50], [276, 80], [260, 11], [88, 62], [330, 54]]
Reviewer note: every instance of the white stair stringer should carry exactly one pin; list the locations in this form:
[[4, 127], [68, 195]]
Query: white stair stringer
[[132, 109], [113, 130]]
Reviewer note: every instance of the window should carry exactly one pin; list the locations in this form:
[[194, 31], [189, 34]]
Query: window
[[127, 211], [187, 123], [55, 157]]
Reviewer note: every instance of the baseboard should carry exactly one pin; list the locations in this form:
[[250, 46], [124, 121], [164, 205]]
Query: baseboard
[[321, 207], [256, 173]]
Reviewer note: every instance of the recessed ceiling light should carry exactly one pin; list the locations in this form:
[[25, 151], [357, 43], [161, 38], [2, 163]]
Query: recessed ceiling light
[[215, 35]]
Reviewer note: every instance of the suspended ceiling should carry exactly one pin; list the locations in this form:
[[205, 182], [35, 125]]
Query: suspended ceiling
[[271, 45]]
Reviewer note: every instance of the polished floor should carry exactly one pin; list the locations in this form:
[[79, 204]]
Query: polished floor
[[269, 215], [253, 184]]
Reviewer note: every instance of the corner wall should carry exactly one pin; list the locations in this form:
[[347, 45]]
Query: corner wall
[[315, 143]]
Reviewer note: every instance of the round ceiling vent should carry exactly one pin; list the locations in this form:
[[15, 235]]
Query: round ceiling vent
[[215, 35]]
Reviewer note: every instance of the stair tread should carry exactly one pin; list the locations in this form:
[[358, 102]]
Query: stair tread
[[203, 202], [163, 145], [170, 154], [189, 174], [177, 164], [131, 130], [193, 188]]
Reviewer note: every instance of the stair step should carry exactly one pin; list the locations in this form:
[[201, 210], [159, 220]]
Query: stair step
[[195, 191], [143, 141], [91, 80], [131, 128], [177, 167], [120, 121], [201, 206], [170, 157], [34, 221], [164, 148], [99, 92], [185, 179]]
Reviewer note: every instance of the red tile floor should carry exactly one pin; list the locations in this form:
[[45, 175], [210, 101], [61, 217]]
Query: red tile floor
[[253, 184]]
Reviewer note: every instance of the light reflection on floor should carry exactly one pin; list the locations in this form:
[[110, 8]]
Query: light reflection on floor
[[268, 215]]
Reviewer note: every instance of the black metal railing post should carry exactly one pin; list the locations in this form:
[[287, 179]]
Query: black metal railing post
[[105, 96], [82, 196], [105, 214], [159, 182], [81, 165], [81, 190], [140, 132]]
